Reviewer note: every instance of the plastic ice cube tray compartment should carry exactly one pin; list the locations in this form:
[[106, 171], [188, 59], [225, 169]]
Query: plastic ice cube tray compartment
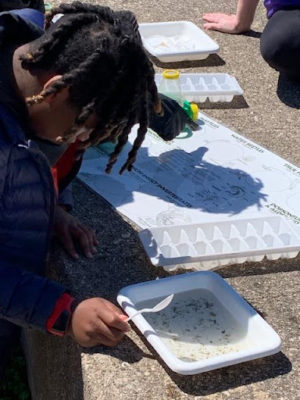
[[221, 243], [176, 41], [219, 87]]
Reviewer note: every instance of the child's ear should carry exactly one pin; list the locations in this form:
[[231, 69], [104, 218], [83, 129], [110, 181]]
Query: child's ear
[[49, 82]]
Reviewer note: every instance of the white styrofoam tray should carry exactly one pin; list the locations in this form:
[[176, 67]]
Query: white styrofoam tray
[[208, 325], [176, 41], [221, 243], [217, 87]]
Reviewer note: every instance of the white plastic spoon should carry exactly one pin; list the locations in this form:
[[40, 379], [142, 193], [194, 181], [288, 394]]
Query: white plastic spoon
[[160, 306]]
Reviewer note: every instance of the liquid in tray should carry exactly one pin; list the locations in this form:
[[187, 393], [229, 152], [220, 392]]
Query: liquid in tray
[[197, 326]]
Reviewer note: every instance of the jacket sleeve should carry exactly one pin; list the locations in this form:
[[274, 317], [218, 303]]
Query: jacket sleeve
[[65, 197], [21, 25], [26, 299], [6, 5]]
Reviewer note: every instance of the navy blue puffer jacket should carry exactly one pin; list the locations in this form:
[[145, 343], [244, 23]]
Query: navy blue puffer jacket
[[26, 217]]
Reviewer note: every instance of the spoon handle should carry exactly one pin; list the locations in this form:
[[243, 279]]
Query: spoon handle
[[160, 306], [139, 312]]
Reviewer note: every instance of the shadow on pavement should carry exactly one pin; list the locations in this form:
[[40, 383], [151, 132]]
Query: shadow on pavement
[[213, 60], [208, 382], [233, 376], [236, 103], [126, 351], [260, 268], [253, 34]]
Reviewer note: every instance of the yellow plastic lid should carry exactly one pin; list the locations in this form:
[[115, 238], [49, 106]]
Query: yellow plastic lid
[[171, 74], [195, 110]]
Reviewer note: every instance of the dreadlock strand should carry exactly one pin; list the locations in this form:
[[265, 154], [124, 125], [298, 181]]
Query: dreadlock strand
[[37, 99], [141, 133], [66, 80], [56, 37], [122, 140], [54, 88], [79, 8], [103, 64], [85, 113], [136, 145]]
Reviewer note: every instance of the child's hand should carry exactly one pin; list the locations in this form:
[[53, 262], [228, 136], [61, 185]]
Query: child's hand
[[96, 321], [68, 228], [223, 23], [173, 121]]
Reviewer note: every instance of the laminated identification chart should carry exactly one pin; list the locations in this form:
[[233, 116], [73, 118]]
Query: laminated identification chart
[[212, 174]]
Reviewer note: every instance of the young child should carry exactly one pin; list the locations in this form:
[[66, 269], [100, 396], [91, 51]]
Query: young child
[[85, 80], [280, 40]]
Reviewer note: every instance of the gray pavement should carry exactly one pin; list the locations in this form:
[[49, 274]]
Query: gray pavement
[[268, 113]]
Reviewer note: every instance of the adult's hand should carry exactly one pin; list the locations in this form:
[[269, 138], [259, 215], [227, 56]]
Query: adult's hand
[[239, 22], [68, 229], [223, 23], [97, 321]]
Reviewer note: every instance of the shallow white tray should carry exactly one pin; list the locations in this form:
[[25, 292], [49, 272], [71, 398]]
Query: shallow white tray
[[221, 243], [217, 87], [176, 41], [207, 326]]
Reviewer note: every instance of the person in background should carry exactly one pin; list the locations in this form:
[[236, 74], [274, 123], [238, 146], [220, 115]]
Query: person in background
[[280, 40], [84, 80]]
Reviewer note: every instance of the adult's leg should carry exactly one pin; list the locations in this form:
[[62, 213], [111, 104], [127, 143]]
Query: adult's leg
[[280, 42], [9, 336]]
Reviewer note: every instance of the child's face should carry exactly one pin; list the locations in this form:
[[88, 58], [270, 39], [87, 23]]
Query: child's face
[[54, 121]]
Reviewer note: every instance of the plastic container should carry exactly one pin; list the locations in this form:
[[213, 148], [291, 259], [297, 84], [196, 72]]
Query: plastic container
[[170, 85], [216, 244], [208, 325], [217, 87], [176, 41]]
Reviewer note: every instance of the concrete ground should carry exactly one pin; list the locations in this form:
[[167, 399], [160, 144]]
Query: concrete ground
[[268, 113]]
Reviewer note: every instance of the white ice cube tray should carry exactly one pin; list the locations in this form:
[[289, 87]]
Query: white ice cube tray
[[176, 41], [221, 243], [217, 87], [208, 325]]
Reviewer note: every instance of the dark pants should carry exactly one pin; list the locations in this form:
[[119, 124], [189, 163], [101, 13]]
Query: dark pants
[[280, 42], [9, 337]]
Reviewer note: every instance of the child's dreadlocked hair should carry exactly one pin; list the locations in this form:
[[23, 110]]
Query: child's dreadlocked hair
[[100, 56]]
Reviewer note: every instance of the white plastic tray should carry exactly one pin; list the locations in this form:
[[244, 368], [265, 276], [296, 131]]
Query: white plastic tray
[[217, 87], [220, 243], [207, 325], [176, 41]]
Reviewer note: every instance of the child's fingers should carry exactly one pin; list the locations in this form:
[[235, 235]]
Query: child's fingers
[[112, 336], [90, 237], [95, 239], [67, 241], [118, 322], [83, 240], [108, 342], [114, 317]]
